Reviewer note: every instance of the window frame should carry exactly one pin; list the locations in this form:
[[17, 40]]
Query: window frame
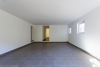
[[70, 30], [79, 27]]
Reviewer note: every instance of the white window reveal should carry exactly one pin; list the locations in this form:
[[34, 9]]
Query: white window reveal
[[81, 27], [70, 30]]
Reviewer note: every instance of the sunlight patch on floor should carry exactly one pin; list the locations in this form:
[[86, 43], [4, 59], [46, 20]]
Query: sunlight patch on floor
[[95, 63]]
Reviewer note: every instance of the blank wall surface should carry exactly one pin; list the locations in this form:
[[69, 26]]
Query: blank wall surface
[[14, 32], [38, 32], [58, 33], [90, 41]]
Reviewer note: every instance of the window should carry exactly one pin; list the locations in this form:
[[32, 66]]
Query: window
[[70, 30], [81, 28]]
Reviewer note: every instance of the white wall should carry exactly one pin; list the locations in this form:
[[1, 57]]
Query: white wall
[[38, 33], [14, 32], [57, 33], [90, 41]]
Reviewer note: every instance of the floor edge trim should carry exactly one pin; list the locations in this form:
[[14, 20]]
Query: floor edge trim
[[84, 51], [14, 50]]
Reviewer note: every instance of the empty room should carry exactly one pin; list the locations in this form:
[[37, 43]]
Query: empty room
[[49, 33]]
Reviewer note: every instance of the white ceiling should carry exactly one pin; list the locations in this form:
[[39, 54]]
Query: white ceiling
[[49, 12]]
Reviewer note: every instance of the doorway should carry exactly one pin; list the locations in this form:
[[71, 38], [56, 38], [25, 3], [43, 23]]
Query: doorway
[[45, 33]]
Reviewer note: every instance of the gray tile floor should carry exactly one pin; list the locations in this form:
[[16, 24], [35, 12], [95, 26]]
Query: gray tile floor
[[47, 55]]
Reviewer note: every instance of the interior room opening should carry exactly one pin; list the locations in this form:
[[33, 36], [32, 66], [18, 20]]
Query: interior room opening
[[45, 33]]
